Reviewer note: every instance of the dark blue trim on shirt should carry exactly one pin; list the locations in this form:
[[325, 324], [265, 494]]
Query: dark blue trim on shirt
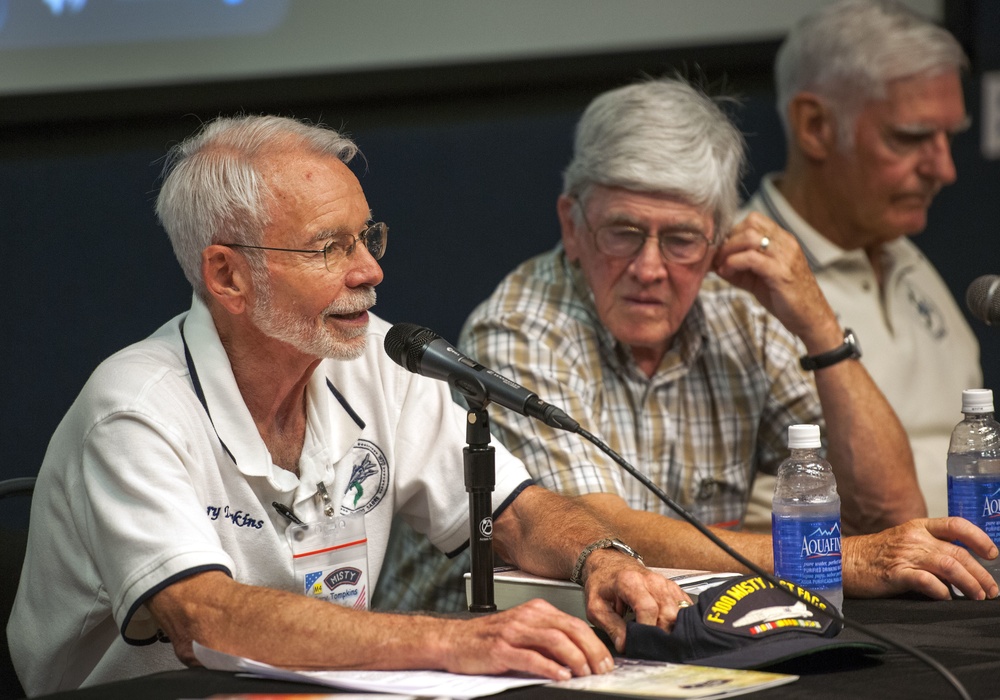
[[347, 406], [160, 636], [200, 393], [497, 513]]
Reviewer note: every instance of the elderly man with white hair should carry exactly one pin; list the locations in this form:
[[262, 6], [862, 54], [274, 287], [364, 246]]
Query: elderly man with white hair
[[870, 96]]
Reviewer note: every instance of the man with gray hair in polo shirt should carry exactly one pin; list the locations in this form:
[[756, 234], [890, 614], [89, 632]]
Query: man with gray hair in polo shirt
[[193, 485], [870, 96]]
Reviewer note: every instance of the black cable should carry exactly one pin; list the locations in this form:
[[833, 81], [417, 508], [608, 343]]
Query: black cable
[[770, 578]]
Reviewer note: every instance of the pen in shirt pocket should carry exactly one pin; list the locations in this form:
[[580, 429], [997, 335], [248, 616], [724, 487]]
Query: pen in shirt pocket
[[286, 512]]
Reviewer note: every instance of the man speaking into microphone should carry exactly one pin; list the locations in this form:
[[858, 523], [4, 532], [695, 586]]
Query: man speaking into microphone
[[166, 509]]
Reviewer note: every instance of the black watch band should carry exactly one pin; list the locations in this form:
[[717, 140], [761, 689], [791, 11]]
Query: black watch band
[[850, 350]]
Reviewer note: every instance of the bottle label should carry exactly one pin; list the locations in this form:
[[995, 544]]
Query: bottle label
[[807, 551], [978, 501]]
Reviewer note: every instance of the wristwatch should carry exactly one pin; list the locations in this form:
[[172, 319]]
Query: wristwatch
[[850, 350], [606, 543]]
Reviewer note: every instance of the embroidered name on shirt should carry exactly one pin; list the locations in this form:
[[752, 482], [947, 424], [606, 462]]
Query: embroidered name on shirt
[[238, 517]]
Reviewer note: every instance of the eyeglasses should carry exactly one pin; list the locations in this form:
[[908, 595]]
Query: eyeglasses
[[341, 245], [624, 241]]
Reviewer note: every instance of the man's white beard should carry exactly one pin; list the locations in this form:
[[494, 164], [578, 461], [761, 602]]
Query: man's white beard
[[304, 334]]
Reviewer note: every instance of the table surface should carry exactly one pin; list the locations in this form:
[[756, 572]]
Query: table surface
[[964, 636]]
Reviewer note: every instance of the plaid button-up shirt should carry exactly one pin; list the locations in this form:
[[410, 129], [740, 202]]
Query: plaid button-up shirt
[[715, 412]]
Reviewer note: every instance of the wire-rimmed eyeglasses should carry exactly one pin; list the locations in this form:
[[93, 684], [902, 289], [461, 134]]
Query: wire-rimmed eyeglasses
[[621, 240], [341, 245]]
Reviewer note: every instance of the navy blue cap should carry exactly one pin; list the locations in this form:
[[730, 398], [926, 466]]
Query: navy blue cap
[[745, 623]]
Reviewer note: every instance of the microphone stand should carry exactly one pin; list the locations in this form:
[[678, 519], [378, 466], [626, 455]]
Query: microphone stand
[[480, 478]]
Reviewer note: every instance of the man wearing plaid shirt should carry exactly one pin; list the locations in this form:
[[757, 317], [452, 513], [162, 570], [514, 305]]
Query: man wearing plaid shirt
[[693, 377]]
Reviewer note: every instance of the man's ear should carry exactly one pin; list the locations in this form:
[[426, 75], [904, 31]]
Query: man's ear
[[227, 277], [813, 126], [568, 227]]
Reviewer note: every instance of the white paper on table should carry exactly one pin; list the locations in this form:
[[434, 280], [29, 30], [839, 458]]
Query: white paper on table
[[318, 695], [423, 683]]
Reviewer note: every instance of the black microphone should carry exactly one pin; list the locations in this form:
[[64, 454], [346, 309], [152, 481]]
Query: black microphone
[[982, 299], [422, 351]]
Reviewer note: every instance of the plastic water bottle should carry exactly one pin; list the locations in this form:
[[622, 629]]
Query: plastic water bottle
[[974, 468], [805, 518]]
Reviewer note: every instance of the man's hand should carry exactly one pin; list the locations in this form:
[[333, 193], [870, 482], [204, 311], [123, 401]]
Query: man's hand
[[778, 275], [544, 533], [615, 583], [867, 444], [919, 556], [533, 638]]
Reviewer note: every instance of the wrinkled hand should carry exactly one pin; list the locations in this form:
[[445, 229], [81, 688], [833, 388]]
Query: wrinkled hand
[[534, 638], [778, 275], [919, 556], [618, 582]]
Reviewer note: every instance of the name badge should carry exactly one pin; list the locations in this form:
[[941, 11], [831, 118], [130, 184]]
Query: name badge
[[331, 559]]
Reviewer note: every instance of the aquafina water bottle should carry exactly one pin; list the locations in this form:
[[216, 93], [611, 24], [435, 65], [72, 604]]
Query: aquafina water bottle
[[974, 468], [805, 518]]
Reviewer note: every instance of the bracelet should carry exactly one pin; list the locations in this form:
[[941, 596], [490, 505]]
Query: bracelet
[[606, 543]]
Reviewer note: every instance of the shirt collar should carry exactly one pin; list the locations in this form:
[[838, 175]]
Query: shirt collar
[[331, 425], [819, 250]]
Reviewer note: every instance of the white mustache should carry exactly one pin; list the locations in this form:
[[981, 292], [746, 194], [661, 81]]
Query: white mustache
[[356, 302]]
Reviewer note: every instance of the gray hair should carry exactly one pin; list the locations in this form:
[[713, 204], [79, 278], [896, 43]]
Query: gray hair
[[849, 50], [213, 190], [664, 137]]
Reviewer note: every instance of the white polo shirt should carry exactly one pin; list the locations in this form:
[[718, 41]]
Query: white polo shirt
[[158, 472], [915, 342]]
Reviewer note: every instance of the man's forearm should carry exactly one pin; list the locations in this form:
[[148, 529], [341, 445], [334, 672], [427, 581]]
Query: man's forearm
[[916, 556], [670, 543], [285, 629], [544, 533], [869, 451]]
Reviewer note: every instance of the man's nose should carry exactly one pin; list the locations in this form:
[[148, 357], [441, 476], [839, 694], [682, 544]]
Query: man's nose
[[937, 163], [365, 270], [648, 264]]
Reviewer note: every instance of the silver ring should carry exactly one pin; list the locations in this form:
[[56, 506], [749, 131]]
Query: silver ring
[[683, 604], [764, 243]]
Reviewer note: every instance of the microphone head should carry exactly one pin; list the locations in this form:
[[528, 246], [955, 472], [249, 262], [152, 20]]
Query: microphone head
[[982, 299], [405, 343]]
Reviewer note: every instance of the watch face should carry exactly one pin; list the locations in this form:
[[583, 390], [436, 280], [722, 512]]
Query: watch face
[[625, 549], [850, 349], [852, 340]]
